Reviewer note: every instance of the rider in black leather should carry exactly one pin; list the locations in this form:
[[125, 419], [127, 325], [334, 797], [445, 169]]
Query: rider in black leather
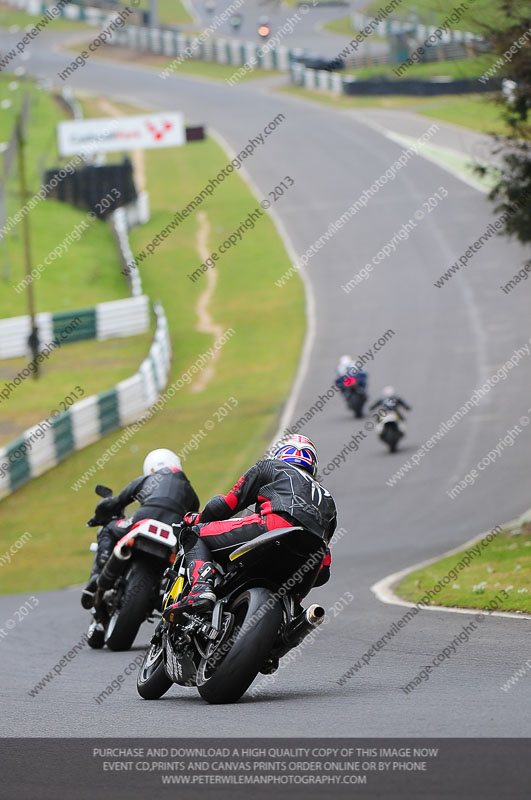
[[390, 401], [164, 494], [284, 492]]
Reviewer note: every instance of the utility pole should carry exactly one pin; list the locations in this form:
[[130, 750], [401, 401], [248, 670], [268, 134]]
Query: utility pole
[[33, 340]]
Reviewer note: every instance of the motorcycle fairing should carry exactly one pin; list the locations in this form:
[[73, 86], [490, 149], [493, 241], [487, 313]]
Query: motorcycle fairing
[[264, 538]]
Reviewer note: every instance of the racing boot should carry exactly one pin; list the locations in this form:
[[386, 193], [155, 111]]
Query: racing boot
[[89, 592], [88, 595], [201, 597]]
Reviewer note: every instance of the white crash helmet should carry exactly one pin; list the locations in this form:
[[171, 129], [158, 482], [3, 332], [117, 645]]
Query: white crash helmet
[[344, 363], [157, 459], [388, 391]]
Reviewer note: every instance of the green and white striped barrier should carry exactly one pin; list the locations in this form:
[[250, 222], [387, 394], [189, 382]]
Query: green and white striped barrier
[[43, 446], [110, 320], [318, 78], [220, 50]]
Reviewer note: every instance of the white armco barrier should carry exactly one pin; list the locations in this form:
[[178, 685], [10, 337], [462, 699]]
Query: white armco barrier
[[122, 317], [15, 331], [118, 221], [137, 212]]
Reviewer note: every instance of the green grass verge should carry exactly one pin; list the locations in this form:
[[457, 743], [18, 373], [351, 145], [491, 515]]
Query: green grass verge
[[10, 16], [85, 273], [460, 68], [171, 11], [256, 366], [344, 26], [434, 12], [476, 112], [502, 567], [45, 114]]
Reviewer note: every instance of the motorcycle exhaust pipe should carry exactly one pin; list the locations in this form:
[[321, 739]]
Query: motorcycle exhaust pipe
[[114, 567], [300, 627]]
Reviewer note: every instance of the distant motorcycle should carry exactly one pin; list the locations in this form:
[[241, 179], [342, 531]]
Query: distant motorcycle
[[129, 587], [390, 429], [264, 27], [355, 395]]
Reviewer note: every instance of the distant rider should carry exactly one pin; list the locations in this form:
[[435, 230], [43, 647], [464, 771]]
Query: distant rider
[[346, 369], [164, 493], [345, 363], [390, 401], [285, 493]]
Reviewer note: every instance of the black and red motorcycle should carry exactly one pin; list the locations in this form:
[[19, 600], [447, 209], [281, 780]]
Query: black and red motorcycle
[[256, 620], [355, 394], [130, 585]]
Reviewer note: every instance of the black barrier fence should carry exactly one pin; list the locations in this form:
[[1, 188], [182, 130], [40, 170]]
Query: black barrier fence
[[420, 87], [85, 187], [287, 769]]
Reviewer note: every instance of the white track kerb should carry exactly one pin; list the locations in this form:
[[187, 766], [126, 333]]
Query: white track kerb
[[383, 589]]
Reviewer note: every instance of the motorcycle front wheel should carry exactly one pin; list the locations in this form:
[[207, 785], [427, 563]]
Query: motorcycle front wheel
[[228, 671]]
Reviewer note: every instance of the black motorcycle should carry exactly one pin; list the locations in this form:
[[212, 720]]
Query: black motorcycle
[[256, 620], [264, 27], [390, 429], [355, 395], [130, 586]]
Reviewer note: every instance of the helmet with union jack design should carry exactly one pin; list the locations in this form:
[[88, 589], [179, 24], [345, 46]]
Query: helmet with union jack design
[[299, 451]]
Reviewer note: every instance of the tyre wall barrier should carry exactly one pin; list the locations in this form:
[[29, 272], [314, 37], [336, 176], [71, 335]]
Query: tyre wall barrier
[[348, 85]]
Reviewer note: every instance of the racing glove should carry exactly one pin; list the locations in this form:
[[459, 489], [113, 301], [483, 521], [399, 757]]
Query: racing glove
[[106, 509]]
